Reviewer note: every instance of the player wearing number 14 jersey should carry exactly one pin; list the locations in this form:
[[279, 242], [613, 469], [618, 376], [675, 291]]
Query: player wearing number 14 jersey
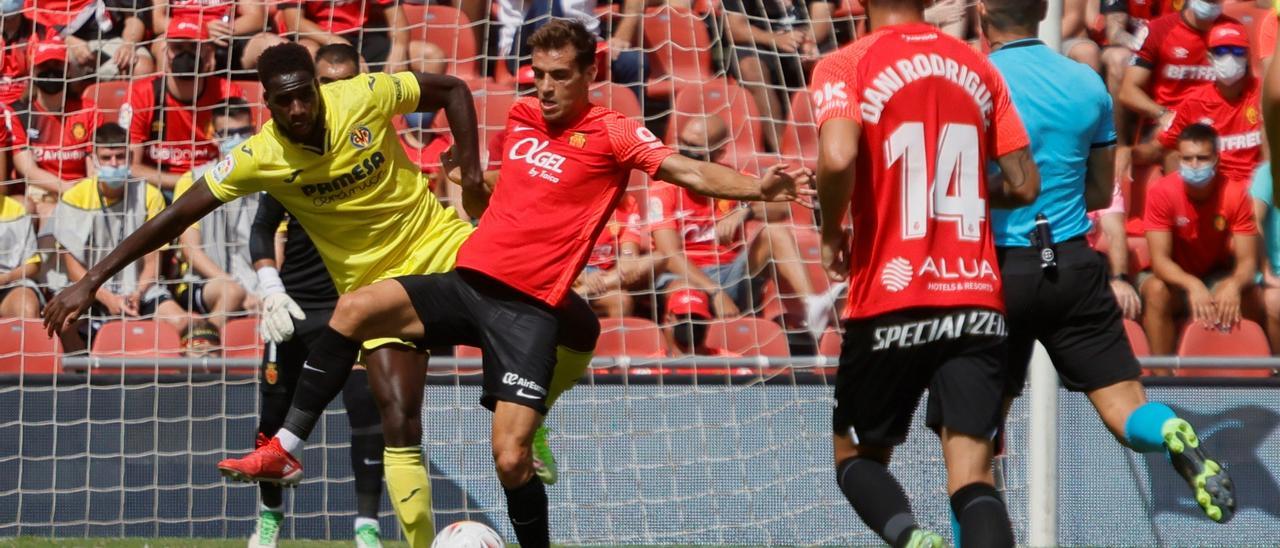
[[925, 307]]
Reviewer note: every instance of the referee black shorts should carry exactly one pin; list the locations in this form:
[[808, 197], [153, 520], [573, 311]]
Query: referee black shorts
[[888, 361], [1071, 311], [516, 332]]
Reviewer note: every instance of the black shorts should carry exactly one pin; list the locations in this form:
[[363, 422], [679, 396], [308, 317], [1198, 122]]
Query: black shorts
[[1071, 311], [374, 47], [888, 361], [190, 296], [282, 363], [516, 333]]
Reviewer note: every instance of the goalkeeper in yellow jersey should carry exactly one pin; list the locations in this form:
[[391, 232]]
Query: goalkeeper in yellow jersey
[[331, 157]]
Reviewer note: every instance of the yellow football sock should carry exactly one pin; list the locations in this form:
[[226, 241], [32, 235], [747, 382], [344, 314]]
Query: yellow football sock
[[570, 365], [410, 492]]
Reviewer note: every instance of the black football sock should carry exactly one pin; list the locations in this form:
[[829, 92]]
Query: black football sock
[[527, 508], [877, 498], [323, 375], [984, 521]]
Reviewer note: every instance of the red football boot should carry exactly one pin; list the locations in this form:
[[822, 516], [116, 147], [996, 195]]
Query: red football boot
[[268, 463]]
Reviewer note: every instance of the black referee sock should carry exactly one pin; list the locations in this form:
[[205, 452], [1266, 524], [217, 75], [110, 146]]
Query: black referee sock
[[527, 508], [323, 375], [984, 521], [877, 498]]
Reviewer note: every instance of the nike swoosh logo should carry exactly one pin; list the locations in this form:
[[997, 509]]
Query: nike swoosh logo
[[524, 394], [371, 462], [306, 365], [520, 128], [411, 494]]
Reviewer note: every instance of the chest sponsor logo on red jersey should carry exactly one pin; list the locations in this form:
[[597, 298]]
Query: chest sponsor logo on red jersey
[[1189, 72], [918, 67], [940, 274], [543, 164], [56, 153]]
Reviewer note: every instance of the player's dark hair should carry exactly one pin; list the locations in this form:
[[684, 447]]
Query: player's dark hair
[[338, 53], [235, 107], [1010, 15], [284, 59], [110, 134], [1200, 133], [567, 32]]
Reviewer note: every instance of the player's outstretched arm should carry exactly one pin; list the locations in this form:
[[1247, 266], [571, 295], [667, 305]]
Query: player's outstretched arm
[[475, 200], [453, 95], [837, 174], [777, 185], [67, 306], [1019, 182]]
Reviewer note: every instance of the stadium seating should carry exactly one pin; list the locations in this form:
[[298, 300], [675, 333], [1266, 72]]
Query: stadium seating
[[830, 344], [1137, 338], [240, 338], [25, 349], [749, 337], [137, 339], [451, 31], [253, 95], [800, 136], [108, 97], [680, 50], [1246, 339], [634, 337], [616, 97], [724, 98]]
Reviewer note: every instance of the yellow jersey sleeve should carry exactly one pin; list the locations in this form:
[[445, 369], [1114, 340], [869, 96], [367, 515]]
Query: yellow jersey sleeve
[[394, 93], [236, 174], [155, 201], [183, 185]]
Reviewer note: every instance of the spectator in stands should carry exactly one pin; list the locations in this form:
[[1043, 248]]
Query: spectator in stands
[[378, 29], [1109, 223], [776, 43], [221, 278], [102, 36], [19, 262], [170, 115], [15, 31], [54, 130], [238, 29], [518, 19], [1124, 32], [704, 241], [1171, 63], [1232, 106], [1203, 242], [1076, 43], [689, 315], [1264, 209], [93, 217], [618, 267]]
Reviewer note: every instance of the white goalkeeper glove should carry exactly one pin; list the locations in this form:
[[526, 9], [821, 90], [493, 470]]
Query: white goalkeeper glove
[[278, 308]]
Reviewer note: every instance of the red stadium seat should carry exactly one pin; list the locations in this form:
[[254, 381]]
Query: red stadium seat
[[137, 339], [800, 137], [681, 50], [108, 96], [253, 95], [1137, 338], [619, 98], [1249, 15], [830, 344], [634, 337], [749, 337], [240, 338], [719, 97], [1245, 340], [464, 351], [25, 349], [810, 244], [451, 31]]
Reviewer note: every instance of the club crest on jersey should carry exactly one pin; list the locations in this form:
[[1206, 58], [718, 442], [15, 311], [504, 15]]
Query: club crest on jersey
[[272, 374], [223, 168], [578, 140], [1220, 223], [1251, 114], [78, 131], [361, 137]]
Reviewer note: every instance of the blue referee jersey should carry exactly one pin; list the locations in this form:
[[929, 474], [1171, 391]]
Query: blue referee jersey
[[1067, 112]]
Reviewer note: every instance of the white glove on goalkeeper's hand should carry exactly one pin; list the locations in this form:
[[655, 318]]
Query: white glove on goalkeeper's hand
[[278, 308]]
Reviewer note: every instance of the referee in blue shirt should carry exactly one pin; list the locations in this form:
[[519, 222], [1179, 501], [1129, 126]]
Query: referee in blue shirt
[[1057, 289]]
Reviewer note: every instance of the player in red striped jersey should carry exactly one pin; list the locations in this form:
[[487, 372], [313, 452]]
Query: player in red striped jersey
[[925, 307]]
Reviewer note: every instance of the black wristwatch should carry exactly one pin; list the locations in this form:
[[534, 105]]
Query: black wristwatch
[[1124, 277]]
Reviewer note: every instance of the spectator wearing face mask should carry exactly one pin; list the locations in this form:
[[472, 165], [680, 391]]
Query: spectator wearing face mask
[[220, 278], [1232, 106], [54, 130], [1204, 246], [170, 116], [91, 220]]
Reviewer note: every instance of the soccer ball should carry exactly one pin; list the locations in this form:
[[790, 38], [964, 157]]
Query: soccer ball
[[468, 534]]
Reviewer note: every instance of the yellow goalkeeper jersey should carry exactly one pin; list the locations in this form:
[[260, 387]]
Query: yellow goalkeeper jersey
[[366, 206]]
